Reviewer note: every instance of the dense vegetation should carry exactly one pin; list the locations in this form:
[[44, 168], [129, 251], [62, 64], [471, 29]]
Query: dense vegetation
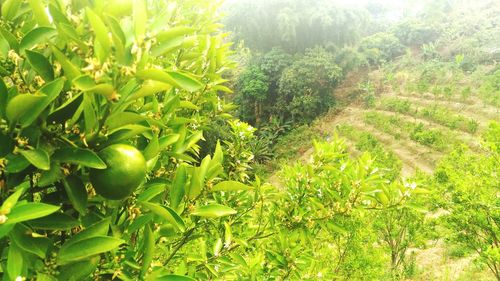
[[125, 154]]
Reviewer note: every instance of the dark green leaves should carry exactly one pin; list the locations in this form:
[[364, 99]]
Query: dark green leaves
[[84, 157], [213, 211], [77, 193], [41, 65]]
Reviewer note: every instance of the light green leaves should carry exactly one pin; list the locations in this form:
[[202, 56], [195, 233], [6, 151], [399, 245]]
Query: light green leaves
[[100, 30], [30, 211], [36, 36], [21, 106], [87, 84], [177, 79], [213, 211], [170, 40], [10, 9], [82, 249], [231, 186], [139, 17], [84, 157], [38, 157], [167, 214], [39, 12], [178, 186], [49, 92]]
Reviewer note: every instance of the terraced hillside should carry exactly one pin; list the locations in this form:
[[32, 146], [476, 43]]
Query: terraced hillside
[[417, 129]]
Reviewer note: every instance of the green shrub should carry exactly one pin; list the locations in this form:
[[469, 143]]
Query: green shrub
[[381, 47], [305, 88]]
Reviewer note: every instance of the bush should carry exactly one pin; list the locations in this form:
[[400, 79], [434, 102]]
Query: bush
[[305, 88], [381, 47], [416, 33]]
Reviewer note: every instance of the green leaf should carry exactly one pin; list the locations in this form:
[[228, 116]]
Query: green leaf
[[213, 211], [11, 201], [151, 190], [198, 178], [149, 88], [77, 193], [148, 249], [139, 17], [166, 213], [121, 119], [65, 111], [55, 221], [39, 13], [170, 40], [21, 106], [10, 38], [50, 92], [174, 278], [80, 156], [51, 176], [100, 30], [21, 236], [100, 228], [30, 211], [178, 186], [168, 140], [127, 132], [79, 271], [38, 157], [180, 80], [70, 70], [189, 105], [87, 84], [16, 163], [15, 261], [36, 36], [186, 81], [4, 95], [231, 186], [41, 65], [153, 149], [10, 9], [86, 248]]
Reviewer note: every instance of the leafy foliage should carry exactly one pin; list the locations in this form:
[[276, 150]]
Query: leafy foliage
[[96, 75], [305, 88], [470, 184]]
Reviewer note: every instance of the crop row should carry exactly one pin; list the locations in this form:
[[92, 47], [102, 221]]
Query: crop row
[[416, 131], [435, 113]]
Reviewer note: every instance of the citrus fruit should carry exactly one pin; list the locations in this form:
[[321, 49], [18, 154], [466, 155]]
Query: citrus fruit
[[126, 169]]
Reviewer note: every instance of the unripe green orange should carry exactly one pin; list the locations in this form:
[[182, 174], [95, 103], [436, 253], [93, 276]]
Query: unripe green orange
[[125, 172]]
